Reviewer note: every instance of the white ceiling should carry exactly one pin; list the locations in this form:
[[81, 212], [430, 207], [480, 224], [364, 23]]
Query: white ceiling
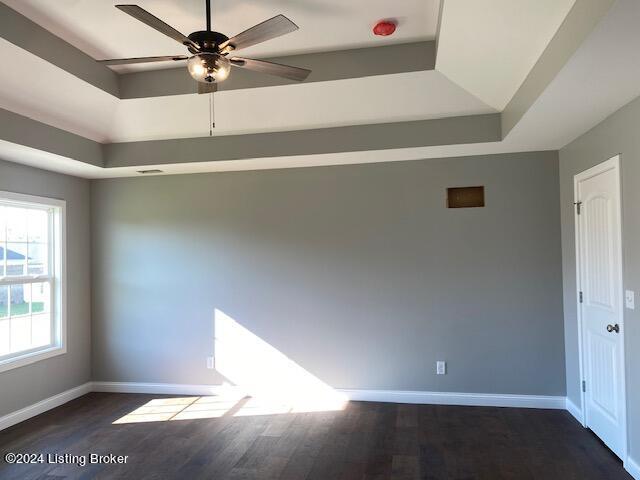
[[407, 96], [102, 31], [488, 47]]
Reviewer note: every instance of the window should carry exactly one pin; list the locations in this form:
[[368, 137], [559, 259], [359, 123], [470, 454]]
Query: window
[[32, 282]]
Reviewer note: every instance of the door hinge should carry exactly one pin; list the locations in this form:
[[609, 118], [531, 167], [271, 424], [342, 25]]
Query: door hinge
[[581, 297], [584, 385], [578, 207]]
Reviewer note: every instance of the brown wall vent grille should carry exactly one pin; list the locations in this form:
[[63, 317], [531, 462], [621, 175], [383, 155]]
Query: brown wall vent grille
[[465, 197]]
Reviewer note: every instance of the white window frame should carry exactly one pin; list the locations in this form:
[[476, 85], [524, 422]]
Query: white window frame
[[57, 278]]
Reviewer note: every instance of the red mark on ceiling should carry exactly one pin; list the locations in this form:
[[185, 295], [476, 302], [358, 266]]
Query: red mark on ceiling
[[384, 28]]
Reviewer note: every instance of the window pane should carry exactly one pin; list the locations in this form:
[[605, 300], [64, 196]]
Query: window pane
[[37, 258], [19, 295], [4, 301], [40, 298], [16, 219], [5, 345], [20, 333], [26, 324], [20, 338], [38, 226], [40, 329], [16, 259], [2, 225], [2, 250]]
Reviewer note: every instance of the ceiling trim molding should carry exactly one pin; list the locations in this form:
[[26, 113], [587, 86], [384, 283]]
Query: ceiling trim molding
[[581, 20], [28, 35], [356, 138], [21, 130], [325, 67]]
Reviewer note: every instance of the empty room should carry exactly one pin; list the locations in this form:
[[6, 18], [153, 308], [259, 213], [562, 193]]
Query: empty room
[[320, 239]]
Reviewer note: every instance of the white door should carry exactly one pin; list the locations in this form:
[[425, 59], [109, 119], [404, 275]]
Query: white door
[[600, 299]]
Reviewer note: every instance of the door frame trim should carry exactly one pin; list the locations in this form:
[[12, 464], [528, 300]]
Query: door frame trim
[[611, 164]]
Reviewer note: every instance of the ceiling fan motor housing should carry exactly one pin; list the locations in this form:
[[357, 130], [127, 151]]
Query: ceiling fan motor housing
[[207, 40]]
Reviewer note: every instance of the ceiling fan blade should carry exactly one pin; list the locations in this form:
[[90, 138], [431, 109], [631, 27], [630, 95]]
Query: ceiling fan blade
[[154, 22], [207, 87], [125, 61], [272, 28], [286, 71]]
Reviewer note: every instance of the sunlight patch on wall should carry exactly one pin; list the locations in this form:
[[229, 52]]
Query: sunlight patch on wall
[[265, 373]]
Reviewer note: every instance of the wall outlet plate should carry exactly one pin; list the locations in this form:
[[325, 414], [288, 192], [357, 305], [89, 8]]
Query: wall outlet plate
[[211, 363], [629, 299], [441, 367]]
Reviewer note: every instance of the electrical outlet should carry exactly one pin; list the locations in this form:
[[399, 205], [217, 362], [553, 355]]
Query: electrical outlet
[[211, 363], [629, 299], [441, 367]]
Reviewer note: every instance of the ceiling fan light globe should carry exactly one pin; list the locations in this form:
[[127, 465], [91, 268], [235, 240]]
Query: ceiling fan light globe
[[209, 67]]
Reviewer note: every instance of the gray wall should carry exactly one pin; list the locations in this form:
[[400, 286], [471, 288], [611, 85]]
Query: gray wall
[[357, 273], [617, 134], [29, 384]]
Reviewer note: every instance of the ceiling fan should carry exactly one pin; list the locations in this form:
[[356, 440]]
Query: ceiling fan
[[209, 62]]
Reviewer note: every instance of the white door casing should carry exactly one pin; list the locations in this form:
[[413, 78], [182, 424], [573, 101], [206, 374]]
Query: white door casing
[[600, 302]]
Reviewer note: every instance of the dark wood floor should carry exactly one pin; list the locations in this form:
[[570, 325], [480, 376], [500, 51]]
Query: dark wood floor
[[365, 441]]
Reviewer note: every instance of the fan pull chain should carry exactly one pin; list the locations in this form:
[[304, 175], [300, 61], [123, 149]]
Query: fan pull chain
[[212, 121]]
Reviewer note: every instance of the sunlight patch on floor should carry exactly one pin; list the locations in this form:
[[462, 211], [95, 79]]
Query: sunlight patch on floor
[[179, 408], [191, 408]]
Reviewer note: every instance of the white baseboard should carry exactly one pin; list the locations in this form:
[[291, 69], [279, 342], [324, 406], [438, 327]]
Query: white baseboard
[[162, 388], [574, 410], [633, 468], [44, 405], [392, 396], [453, 398]]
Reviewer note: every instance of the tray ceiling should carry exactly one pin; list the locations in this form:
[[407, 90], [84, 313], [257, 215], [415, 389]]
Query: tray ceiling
[[488, 54]]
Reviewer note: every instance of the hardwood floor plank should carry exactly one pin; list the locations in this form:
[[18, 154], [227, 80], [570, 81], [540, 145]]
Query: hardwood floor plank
[[407, 415], [405, 467], [312, 441], [364, 441], [381, 456]]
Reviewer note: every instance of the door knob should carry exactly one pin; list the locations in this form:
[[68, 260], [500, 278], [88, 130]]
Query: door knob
[[613, 328]]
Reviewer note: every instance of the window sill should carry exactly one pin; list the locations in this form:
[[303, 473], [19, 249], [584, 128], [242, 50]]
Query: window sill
[[31, 357]]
